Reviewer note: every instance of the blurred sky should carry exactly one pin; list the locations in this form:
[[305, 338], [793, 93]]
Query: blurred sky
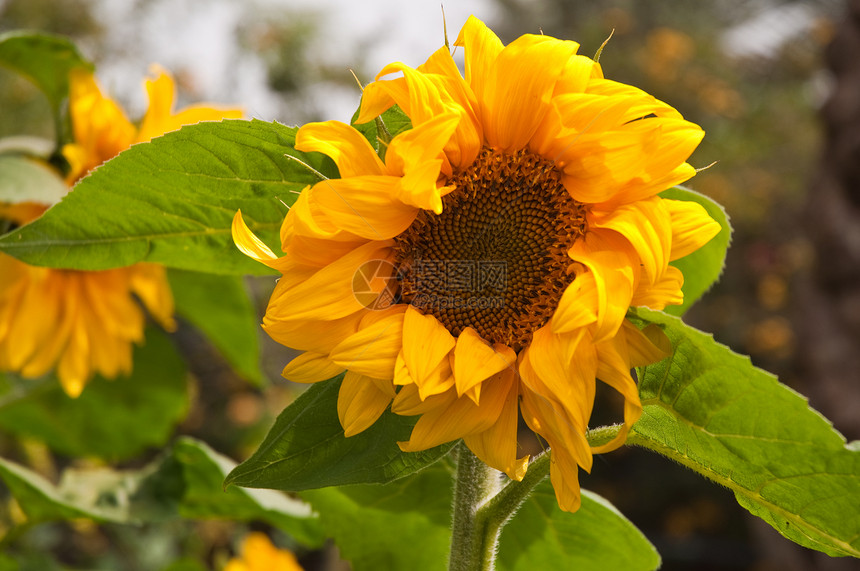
[[198, 37]]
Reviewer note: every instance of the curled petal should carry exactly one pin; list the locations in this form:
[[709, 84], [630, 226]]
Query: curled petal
[[692, 227], [348, 148]]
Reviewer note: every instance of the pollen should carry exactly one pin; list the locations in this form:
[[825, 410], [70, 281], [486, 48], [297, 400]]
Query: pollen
[[496, 258]]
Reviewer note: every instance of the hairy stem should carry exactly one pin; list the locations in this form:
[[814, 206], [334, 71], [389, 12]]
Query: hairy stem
[[474, 484]]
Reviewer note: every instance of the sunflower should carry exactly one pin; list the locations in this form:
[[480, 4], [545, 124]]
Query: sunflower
[[502, 240], [259, 554], [80, 322]]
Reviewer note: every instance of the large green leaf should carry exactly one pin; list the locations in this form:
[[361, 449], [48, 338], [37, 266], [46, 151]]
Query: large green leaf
[[185, 482], [111, 419], [401, 525], [416, 511], [597, 537], [47, 61], [711, 410], [220, 307], [172, 201], [704, 266], [306, 448], [27, 180], [204, 496]]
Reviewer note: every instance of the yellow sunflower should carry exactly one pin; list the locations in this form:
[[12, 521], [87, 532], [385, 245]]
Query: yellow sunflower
[[508, 233], [259, 554], [80, 322]]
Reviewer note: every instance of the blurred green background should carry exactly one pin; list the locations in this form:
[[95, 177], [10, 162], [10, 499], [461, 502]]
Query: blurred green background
[[752, 74]]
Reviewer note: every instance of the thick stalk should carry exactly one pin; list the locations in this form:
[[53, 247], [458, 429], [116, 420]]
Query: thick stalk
[[474, 484], [481, 509]]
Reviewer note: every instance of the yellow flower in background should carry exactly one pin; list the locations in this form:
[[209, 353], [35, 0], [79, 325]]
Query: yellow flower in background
[[101, 130], [84, 323], [258, 554], [486, 267]]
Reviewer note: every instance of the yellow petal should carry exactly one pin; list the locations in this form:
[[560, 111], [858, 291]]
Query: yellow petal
[[328, 293], [565, 434], [360, 403], [476, 361], [665, 291], [409, 401], [692, 227], [348, 148], [311, 367], [426, 345], [367, 206], [482, 49], [497, 446], [519, 89], [646, 225], [160, 119], [462, 417], [249, 244], [304, 335], [149, 283], [417, 154], [614, 276], [373, 349], [577, 306]]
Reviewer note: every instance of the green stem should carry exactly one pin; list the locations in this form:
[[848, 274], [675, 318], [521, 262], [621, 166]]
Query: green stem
[[481, 509], [493, 515], [474, 484]]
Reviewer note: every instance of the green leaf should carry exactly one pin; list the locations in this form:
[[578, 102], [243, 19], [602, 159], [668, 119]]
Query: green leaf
[[47, 61], [401, 525], [711, 410], [416, 511], [597, 537], [204, 496], [172, 201], [185, 482], [27, 180], [39, 499], [114, 419], [306, 448], [703, 267], [220, 307]]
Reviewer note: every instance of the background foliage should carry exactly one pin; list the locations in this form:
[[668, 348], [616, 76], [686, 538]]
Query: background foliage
[[759, 112]]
